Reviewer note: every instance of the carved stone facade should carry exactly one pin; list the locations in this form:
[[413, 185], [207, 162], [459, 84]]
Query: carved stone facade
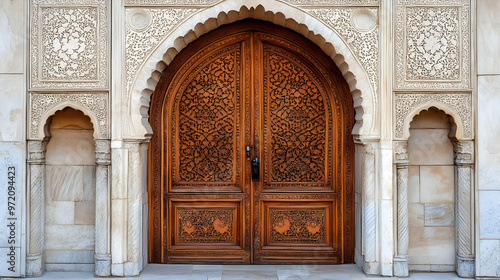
[[399, 58], [69, 44], [44, 105], [433, 44]]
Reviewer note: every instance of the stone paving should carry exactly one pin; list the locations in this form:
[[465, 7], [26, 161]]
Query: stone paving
[[249, 272]]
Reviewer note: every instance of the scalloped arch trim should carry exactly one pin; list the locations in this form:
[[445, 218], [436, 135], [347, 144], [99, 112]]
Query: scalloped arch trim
[[234, 10]]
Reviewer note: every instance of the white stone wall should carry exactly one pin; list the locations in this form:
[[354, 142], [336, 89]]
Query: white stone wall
[[13, 25], [488, 133], [455, 70]]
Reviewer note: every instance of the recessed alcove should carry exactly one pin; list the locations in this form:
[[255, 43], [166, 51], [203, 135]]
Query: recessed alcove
[[70, 193]]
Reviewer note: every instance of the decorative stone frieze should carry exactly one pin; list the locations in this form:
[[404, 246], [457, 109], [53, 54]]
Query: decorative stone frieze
[[171, 2], [432, 44], [69, 44], [358, 27], [459, 103], [333, 2], [145, 29], [45, 104]]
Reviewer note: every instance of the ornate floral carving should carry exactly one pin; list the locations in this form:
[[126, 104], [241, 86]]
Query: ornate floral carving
[[296, 127], [401, 151], [171, 2], [97, 103], [69, 44], [432, 44], [362, 41], [461, 103], [334, 2], [140, 42], [206, 130]]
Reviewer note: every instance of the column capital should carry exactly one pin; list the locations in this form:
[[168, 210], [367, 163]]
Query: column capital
[[36, 151], [464, 152], [401, 152], [102, 152]]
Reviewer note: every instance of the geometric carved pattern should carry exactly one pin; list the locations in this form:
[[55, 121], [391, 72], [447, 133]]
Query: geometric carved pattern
[[297, 122], [334, 2], [170, 2], [461, 103], [97, 103], [359, 29], [297, 226], [145, 29], [205, 226], [69, 44], [432, 44], [207, 116]]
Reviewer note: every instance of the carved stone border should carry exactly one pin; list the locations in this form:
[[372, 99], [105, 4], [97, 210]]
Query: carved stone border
[[44, 105], [102, 46], [458, 105], [212, 2], [401, 47]]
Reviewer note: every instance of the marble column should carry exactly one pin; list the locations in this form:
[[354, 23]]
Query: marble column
[[401, 160], [464, 164], [102, 201], [135, 202], [36, 222], [368, 209]]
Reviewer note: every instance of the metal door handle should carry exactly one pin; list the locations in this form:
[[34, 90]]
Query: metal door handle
[[255, 169], [248, 152]]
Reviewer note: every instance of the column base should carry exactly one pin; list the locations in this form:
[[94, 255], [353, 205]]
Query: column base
[[401, 266], [34, 265], [465, 267], [102, 265]]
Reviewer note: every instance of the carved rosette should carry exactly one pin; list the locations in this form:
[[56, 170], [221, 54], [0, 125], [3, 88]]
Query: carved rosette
[[432, 44], [460, 103], [69, 44], [92, 103], [358, 27]]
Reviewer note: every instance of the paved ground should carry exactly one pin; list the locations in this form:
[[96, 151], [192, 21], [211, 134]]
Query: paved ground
[[250, 272]]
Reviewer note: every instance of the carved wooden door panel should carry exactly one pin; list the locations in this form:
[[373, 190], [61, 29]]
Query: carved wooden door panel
[[238, 87]]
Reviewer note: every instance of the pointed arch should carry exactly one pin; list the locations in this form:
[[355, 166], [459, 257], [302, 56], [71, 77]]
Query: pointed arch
[[230, 11]]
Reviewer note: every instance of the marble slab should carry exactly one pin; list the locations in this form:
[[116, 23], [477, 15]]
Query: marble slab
[[12, 114], [439, 215], [13, 32], [11, 207], [489, 219]]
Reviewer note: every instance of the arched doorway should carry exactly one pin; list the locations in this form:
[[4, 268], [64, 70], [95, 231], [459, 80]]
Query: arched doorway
[[251, 160]]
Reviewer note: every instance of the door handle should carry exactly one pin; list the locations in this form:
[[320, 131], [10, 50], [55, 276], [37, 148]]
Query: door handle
[[255, 169]]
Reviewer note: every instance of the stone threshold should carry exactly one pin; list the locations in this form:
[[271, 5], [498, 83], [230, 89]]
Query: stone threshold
[[249, 272]]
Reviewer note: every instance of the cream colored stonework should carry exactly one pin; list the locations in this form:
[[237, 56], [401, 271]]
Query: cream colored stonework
[[426, 188]]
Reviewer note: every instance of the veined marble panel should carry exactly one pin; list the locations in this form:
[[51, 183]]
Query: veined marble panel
[[432, 44], [12, 173], [69, 44], [13, 108], [13, 33]]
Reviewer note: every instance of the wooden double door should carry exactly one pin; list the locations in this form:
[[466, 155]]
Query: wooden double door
[[251, 160]]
